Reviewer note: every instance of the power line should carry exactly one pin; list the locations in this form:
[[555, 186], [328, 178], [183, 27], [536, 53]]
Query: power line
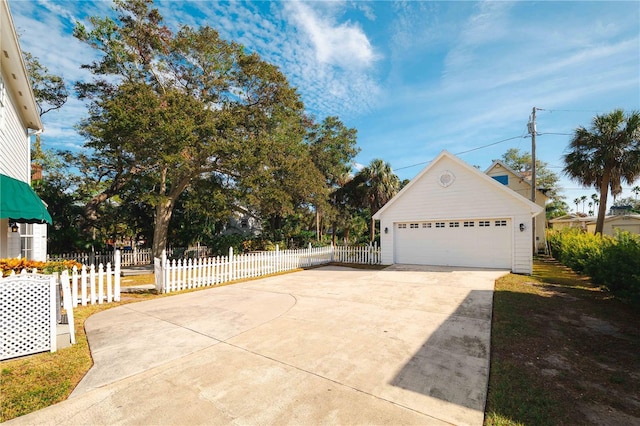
[[562, 134], [464, 152], [571, 110]]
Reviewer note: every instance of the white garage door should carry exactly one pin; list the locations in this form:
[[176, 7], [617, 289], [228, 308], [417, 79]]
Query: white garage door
[[478, 243]]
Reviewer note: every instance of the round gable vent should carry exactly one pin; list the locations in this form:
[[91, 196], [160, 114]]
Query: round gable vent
[[446, 178]]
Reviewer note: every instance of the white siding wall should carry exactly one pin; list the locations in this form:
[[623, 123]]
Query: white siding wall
[[469, 197], [15, 162], [14, 142], [13, 244], [522, 250], [39, 242]]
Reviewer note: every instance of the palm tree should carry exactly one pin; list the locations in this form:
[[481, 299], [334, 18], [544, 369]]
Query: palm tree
[[584, 200], [636, 190], [596, 200], [378, 184], [605, 155], [577, 203]]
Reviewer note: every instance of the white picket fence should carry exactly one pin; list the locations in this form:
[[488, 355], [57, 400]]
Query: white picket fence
[[175, 275], [129, 257], [96, 284], [368, 255], [92, 284]]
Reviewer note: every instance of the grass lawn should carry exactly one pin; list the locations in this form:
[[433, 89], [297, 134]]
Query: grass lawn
[[562, 352]]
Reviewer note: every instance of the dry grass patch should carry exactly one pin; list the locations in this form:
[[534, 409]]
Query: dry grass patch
[[562, 352], [133, 280]]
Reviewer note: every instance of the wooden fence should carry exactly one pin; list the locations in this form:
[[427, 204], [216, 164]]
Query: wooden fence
[[175, 275], [96, 284], [131, 257], [92, 284], [127, 258]]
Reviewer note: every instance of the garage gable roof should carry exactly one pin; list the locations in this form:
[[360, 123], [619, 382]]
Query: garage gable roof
[[499, 187]]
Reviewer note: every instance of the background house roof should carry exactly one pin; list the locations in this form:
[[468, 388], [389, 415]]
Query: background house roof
[[526, 176]]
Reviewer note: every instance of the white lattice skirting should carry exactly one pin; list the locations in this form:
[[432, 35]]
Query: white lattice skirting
[[27, 315]]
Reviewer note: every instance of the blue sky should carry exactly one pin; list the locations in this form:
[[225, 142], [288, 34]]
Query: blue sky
[[413, 77]]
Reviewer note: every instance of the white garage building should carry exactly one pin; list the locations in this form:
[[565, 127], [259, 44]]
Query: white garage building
[[452, 214]]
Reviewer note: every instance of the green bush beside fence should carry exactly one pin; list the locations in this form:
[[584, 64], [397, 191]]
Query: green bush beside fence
[[613, 262]]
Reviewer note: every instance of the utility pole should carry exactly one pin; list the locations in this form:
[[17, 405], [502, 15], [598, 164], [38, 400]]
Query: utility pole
[[531, 127], [532, 130]]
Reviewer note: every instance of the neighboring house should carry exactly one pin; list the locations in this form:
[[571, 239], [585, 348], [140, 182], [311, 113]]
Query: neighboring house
[[571, 220], [22, 213], [244, 223], [628, 222], [522, 185], [454, 215]]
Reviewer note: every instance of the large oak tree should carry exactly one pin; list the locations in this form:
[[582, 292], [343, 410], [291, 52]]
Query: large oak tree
[[169, 108]]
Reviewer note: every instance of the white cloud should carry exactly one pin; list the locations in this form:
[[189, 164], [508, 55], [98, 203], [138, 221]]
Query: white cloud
[[332, 64], [344, 45]]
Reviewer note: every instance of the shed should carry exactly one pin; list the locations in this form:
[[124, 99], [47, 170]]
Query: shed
[[452, 214]]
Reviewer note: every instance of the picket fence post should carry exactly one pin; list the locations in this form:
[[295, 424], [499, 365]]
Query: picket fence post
[[116, 277]]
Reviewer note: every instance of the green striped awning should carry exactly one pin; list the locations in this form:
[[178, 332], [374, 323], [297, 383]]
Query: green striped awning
[[20, 203]]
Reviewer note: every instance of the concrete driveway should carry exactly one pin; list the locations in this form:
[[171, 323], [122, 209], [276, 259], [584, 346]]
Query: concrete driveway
[[333, 345]]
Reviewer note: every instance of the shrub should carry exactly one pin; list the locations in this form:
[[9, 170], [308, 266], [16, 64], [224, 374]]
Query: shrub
[[18, 264], [619, 267], [612, 262], [578, 250]]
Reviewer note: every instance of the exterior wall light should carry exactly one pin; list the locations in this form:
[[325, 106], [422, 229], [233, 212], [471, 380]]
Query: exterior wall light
[[386, 230], [14, 226], [522, 227]]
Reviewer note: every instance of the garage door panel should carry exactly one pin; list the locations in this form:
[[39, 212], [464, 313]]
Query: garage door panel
[[479, 243]]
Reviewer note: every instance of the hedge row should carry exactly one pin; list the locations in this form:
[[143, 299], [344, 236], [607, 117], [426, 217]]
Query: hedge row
[[613, 262]]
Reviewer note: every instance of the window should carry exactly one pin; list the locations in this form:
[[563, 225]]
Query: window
[[26, 240], [402, 226], [503, 179], [439, 224], [454, 224], [483, 223], [501, 223], [426, 225], [414, 226], [469, 224]]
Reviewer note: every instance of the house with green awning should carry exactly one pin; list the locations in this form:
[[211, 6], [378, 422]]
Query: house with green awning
[[23, 215]]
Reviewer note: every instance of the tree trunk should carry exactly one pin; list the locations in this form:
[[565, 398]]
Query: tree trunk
[[602, 207], [373, 228], [164, 210], [333, 233]]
